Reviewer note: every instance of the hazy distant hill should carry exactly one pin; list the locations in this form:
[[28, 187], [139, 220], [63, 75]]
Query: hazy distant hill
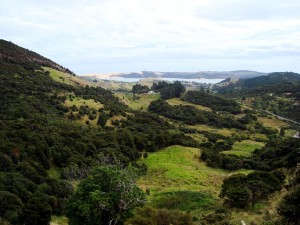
[[278, 81], [192, 75], [14, 54], [276, 92]]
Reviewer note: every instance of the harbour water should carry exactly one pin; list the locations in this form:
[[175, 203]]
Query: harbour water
[[200, 80]]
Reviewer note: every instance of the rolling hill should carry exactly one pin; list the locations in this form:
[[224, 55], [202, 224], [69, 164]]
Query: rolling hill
[[17, 55], [191, 75]]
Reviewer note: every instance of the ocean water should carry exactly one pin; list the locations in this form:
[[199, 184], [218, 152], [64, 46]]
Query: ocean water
[[200, 80]]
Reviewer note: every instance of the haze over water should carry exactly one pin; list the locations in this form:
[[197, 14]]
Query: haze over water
[[200, 80]]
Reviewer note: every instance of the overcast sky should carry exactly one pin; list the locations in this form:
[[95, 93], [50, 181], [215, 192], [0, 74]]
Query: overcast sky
[[95, 36]]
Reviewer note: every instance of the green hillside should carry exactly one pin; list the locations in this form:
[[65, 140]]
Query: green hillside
[[73, 152], [277, 92]]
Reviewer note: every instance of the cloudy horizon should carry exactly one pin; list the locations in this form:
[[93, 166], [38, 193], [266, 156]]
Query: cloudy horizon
[[90, 36]]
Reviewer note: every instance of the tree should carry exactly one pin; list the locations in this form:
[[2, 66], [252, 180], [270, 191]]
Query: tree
[[10, 207], [107, 197], [282, 132], [234, 191], [139, 89], [102, 119], [289, 208], [37, 211], [179, 89]]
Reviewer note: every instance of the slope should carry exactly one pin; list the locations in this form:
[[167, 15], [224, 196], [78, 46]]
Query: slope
[[17, 55]]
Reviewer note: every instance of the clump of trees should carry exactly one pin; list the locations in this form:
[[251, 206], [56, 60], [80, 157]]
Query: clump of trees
[[276, 154], [191, 115], [212, 101], [108, 196], [289, 207], [169, 90], [140, 89], [241, 190]]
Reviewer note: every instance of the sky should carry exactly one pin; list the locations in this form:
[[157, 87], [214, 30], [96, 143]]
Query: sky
[[102, 36]]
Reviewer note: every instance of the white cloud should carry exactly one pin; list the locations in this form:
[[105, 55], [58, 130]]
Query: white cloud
[[118, 35]]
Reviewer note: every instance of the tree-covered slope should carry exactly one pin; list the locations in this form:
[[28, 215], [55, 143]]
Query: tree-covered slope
[[51, 135], [214, 102], [277, 92], [14, 54], [277, 82]]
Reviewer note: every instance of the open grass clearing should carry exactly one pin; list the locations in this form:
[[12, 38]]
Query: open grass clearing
[[138, 102], [178, 168], [175, 175], [59, 220], [178, 101], [78, 101], [245, 147], [54, 172], [198, 137], [66, 78], [258, 137], [289, 132], [272, 122], [224, 131], [114, 85]]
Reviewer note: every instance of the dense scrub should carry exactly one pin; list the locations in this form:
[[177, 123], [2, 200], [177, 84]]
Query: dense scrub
[[17, 55], [246, 190], [276, 154], [169, 90], [212, 101], [191, 115], [277, 92]]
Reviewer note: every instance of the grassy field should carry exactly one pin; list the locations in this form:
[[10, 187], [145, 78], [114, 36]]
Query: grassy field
[[245, 147], [138, 102], [177, 101], [59, 220], [114, 85], [177, 179], [272, 122], [178, 168], [78, 101], [289, 132], [66, 78], [223, 131]]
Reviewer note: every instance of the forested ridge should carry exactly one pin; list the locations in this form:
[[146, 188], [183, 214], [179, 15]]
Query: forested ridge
[[277, 92]]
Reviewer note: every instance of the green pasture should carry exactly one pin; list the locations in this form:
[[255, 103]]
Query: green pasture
[[178, 101], [138, 102], [245, 147]]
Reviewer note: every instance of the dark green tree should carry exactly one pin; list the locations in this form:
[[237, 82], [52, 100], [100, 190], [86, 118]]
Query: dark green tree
[[10, 207], [289, 208], [102, 119], [179, 89], [139, 89], [107, 197], [37, 211]]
